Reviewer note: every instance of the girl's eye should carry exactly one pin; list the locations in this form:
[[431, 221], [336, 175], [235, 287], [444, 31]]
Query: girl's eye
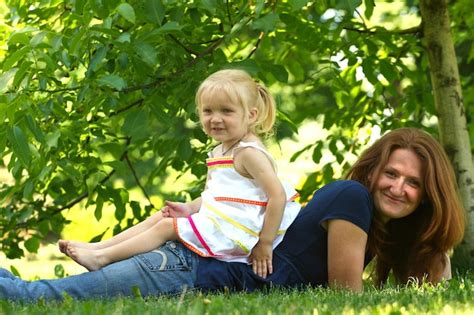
[[206, 110], [390, 174], [227, 110]]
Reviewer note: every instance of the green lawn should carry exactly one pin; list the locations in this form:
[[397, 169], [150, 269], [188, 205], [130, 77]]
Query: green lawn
[[455, 297]]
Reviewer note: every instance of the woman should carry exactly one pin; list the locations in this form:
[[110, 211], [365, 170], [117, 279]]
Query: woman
[[399, 206]]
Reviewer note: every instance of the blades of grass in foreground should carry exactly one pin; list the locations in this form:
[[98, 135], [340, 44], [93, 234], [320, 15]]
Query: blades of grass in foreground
[[454, 297]]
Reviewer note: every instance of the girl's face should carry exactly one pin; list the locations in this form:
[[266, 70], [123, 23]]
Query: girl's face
[[223, 120], [399, 187]]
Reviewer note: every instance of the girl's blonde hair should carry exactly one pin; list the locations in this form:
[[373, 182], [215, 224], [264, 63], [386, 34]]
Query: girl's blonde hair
[[241, 89]]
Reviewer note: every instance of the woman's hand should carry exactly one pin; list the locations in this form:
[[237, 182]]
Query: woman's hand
[[176, 209], [261, 259]]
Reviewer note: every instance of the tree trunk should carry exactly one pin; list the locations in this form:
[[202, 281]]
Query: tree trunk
[[453, 130]]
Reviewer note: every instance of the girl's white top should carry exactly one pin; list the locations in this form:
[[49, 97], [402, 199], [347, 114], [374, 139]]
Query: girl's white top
[[231, 216]]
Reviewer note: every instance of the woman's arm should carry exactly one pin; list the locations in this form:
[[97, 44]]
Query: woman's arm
[[346, 253]]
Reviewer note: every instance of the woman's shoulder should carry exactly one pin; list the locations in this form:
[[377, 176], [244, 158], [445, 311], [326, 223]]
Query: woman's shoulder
[[345, 199], [346, 185], [344, 193]]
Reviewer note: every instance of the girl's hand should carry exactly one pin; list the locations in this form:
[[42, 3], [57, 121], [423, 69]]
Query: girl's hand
[[176, 209], [261, 259]]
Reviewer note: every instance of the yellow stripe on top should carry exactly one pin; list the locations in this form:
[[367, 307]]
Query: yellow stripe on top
[[234, 222], [230, 220]]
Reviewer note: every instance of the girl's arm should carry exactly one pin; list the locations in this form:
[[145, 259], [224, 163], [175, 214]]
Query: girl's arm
[[255, 164], [346, 253]]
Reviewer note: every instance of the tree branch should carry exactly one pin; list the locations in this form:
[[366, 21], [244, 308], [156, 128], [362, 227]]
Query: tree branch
[[189, 50], [137, 180], [412, 30], [257, 44]]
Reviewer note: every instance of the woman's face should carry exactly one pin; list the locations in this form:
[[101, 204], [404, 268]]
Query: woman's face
[[399, 187]]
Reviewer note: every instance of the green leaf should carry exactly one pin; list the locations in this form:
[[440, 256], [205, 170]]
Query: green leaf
[[52, 138], [21, 36], [298, 153], [69, 169], [136, 209], [20, 147], [317, 153], [59, 271], [260, 4], [12, 59], [32, 244], [28, 189], [93, 180], [297, 4], [349, 5], [279, 72], [97, 58], [77, 40], [248, 65], [184, 149], [170, 27], [127, 12], [155, 11], [286, 119], [33, 127], [147, 53], [388, 70], [15, 271], [369, 71], [267, 23], [99, 204], [114, 148], [113, 81], [369, 8], [135, 124], [209, 5], [118, 202], [37, 39], [6, 78], [21, 73], [99, 237]]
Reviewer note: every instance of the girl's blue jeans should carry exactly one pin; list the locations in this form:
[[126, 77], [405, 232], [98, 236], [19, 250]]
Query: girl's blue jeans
[[168, 270]]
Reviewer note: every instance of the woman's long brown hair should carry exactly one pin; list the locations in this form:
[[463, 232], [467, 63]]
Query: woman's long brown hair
[[414, 246]]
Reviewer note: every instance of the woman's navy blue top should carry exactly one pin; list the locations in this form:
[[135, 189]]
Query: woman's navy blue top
[[301, 258]]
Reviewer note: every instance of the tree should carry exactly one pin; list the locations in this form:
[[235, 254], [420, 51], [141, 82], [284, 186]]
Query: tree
[[451, 111], [93, 93]]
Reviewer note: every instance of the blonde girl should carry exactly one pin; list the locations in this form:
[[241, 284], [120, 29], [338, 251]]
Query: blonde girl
[[244, 210]]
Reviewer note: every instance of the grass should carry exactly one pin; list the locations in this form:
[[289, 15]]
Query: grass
[[454, 297]]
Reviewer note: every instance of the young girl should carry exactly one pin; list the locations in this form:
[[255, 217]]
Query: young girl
[[244, 210]]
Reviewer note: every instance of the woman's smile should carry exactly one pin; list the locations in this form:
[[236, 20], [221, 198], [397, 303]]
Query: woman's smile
[[399, 188]]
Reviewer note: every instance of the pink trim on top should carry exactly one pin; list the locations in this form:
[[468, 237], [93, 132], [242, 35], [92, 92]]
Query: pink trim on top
[[222, 162], [203, 243]]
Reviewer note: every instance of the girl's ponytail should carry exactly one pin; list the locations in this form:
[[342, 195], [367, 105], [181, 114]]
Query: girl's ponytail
[[266, 117]]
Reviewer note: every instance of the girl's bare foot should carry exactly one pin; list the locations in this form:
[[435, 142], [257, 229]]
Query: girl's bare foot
[[63, 245], [91, 259]]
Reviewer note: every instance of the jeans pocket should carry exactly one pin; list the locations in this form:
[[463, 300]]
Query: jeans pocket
[[170, 256]]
